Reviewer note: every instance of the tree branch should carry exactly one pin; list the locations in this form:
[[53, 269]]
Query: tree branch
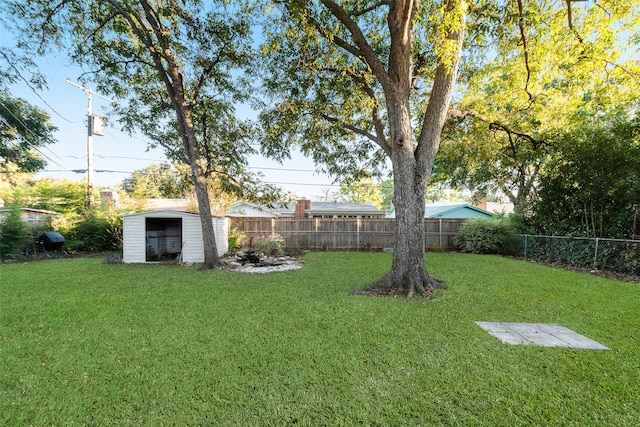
[[461, 115], [356, 13], [570, 19], [337, 40], [375, 111], [359, 39], [353, 129], [441, 92], [535, 143], [525, 49]]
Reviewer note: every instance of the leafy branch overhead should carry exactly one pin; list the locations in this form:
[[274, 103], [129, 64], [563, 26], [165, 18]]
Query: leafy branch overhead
[[554, 72], [331, 67]]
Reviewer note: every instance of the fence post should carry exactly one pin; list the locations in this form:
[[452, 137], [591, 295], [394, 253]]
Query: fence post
[[273, 228], [595, 256], [526, 240], [440, 233], [424, 236]]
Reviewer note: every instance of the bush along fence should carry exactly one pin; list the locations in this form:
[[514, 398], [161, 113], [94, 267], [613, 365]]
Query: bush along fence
[[343, 234], [615, 255]]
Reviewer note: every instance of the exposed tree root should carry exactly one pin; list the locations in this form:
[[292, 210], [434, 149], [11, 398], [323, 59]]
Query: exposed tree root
[[391, 286]]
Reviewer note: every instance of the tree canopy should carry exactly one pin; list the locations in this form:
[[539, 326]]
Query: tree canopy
[[360, 83], [156, 182], [593, 189], [555, 70], [24, 131]]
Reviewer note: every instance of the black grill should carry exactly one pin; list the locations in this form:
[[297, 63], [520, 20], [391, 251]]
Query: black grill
[[50, 241]]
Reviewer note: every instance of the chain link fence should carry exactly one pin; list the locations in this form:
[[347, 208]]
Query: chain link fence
[[615, 255]]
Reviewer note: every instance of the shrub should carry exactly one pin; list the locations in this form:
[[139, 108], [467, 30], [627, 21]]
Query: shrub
[[13, 232], [93, 230], [237, 239], [484, 236], [270, 246]]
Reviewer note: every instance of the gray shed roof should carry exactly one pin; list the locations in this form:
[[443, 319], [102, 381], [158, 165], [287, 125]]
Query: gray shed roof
[[344, 208]]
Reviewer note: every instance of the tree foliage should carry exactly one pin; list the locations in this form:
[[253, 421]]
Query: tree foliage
[[162, 181], [593, 189], [556, 69], [364, 190], [13, 232], [59, 195], [24, 131], [92, 230]]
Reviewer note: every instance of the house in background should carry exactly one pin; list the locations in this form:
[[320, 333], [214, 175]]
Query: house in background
[[450, 211], [158, 235], [306, 209], [34, 218], [254, 210]]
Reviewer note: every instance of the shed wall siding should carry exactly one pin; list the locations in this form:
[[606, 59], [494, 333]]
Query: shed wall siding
[[134, 248], [192, 248], [134, 236], [221, 229]]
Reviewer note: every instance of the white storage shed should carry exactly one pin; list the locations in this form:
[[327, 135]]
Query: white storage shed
[[161, 235]]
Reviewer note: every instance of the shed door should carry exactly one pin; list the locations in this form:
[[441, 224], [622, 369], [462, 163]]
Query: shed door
[[163, 238]]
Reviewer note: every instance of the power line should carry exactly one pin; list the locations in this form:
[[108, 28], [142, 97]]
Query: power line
[[122, 145], [29, 131], [32, 88], [126, 158]]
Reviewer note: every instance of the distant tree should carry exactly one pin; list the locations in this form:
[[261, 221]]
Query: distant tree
[[328, 195], [363, 190], [59, 195], [155, 182], [24, 131], [386, 190]]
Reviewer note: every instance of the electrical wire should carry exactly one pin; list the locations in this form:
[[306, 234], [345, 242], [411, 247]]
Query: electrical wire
[[32, 88], [31, 132]]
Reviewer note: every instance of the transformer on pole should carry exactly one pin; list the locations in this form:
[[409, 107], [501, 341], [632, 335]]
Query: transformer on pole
[[95, 126]]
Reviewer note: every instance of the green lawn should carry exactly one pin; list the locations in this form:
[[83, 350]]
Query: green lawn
[[87, 343]]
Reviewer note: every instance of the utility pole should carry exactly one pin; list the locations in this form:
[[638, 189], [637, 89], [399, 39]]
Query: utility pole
[[95, 126]]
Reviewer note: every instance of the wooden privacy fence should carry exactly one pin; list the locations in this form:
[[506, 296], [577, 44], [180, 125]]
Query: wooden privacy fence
[[343, 234]]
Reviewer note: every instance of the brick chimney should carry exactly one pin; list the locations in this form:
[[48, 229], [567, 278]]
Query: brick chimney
[[482, 204], [301, 207]]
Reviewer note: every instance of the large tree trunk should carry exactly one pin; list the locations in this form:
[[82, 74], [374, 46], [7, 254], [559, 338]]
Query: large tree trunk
[[408, 275], [211, 257], [412, 162], [175, 86]]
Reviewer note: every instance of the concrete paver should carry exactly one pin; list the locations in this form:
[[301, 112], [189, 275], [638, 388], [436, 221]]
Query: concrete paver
[[539, 334]]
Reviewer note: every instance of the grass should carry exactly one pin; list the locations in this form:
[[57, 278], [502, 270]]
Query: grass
[[87, 343]]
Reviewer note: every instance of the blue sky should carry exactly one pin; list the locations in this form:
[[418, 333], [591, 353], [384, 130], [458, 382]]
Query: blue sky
[[117, 154]]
